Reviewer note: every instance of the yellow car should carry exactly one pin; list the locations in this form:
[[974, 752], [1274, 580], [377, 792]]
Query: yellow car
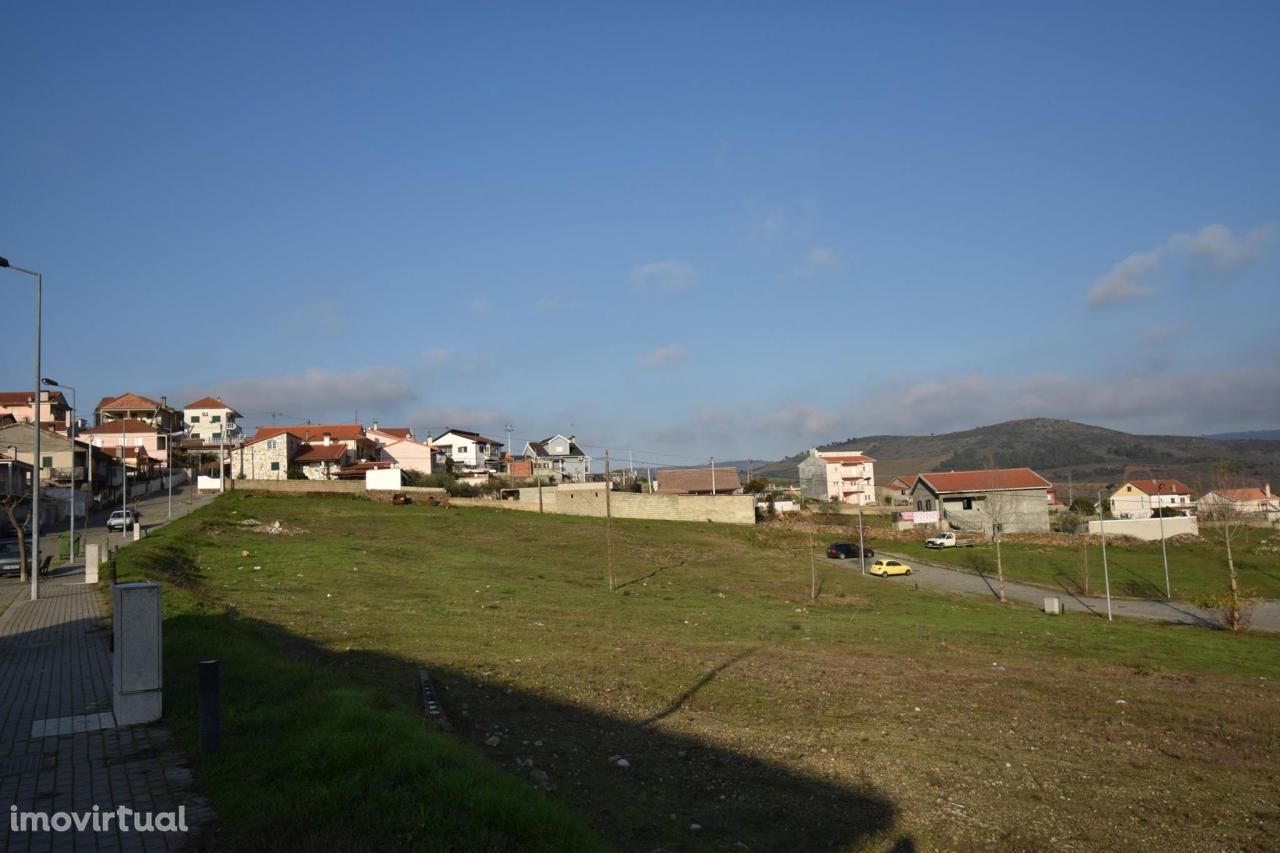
[[884, 568]]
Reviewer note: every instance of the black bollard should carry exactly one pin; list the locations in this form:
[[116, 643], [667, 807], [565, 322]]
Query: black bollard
[[208, 711]]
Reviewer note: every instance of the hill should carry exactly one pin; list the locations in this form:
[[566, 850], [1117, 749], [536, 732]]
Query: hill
[[1059, 450], [1256, 435]]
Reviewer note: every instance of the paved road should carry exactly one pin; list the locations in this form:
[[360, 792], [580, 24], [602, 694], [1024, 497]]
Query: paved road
[[936, 576]]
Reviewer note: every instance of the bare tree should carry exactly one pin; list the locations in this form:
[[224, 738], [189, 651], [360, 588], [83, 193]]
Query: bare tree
[[1227, 524], [10, 503]]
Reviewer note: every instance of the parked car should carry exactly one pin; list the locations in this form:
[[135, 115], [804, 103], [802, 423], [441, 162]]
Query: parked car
[[9, 563], [885, 568], [847, 551], [951, 540], [122, 519]]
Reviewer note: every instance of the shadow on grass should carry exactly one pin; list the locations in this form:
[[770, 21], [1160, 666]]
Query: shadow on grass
[[674, 780]]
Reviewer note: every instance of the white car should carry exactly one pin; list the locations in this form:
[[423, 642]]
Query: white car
[[122, 519]]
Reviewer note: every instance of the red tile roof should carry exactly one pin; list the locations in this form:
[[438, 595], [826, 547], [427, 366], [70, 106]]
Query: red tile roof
[[1152, 487], [311, 432], [211, 403], [398, 432], [983, 481], [845, 460], [126, 426], [687, 480], [321, 453], [1249, 494], [128, 401], [23, 398]]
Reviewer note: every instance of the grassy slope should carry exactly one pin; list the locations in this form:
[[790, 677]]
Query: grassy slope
[[878, 714]]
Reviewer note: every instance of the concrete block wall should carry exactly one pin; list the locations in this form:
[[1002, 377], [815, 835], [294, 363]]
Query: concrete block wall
[[588, 499]]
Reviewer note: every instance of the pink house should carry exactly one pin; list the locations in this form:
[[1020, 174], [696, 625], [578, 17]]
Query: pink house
[[130, 433]]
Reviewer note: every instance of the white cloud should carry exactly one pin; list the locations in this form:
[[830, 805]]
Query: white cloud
[[664, 276], [1216, 251], [817, 259], [1213, 254], [1121, 283], [317, 395], [670, 354], [801, 420]]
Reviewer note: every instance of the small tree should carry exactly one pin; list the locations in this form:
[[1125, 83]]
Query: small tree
[[10, 504], [999, 510], [1228, 524]]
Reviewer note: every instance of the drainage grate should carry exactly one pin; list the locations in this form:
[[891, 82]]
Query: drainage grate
[[430, 704], [16, 765]]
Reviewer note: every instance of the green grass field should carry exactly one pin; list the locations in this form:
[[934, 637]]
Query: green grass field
[[879, 717], [1196, 571]]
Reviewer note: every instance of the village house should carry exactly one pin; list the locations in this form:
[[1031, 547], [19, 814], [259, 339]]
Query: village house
[[131, 433], [558, 459], [1015, 499], [469, 451], [1250, 502], [161, 415], [1141, 498], [847, 476], [211, 421], [314, 451], [400, 446], [55, 413]]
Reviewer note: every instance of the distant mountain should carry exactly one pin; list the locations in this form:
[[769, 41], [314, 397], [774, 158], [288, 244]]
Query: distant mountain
[[1059, 450], [1256, 435]]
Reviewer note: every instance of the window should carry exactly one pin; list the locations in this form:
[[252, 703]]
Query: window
[[216, 419], [275, 466], [920, 505], [46, 461], [967, 503], [271, 445], [195, 419], [217, 436], [928, 505]]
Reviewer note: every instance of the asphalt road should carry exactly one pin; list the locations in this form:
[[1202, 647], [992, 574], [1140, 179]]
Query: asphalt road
[[941, 578]]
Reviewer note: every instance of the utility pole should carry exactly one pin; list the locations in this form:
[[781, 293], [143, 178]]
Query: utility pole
[[1106, 577], [713, 476], [608, 518], [862, 550]]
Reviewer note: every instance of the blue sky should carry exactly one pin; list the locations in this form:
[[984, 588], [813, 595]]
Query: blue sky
[[686, 229]]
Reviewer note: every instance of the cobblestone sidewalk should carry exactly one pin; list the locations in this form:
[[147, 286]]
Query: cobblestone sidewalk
[[60, 751]]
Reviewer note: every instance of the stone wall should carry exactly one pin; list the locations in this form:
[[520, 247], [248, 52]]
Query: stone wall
[[1147, 528]]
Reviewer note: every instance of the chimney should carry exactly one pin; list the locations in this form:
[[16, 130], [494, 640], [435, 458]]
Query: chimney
[[375, 423], [326, 439], [1267, 490], [164, 402]]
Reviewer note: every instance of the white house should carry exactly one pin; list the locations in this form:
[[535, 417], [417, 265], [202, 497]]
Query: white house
[[211, 421], [559, 457], [1141, 498], [469, 450], [398, 445], [845, 475], [1250, 502]]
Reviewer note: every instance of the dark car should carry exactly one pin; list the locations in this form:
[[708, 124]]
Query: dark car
[[847, 551]]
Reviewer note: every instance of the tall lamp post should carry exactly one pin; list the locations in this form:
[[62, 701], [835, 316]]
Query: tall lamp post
[[71, 548], [35, 453], [1164, 551]]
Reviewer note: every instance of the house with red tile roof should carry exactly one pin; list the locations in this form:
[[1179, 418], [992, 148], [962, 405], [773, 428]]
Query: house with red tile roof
[[132, 406], [1250, 502], [55, 413], [398, 446], [848, 476], [1015, 499], [211, 421], [896, 491], [129, 432], [1141, 498], [315, 451]]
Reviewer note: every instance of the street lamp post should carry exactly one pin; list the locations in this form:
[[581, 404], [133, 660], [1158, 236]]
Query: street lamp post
[[71, 548], [35, 453], [1164, 550]]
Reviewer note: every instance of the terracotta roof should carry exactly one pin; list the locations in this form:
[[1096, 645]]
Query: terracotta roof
[[1152, 487], [474, 436], [995, 480], [1249, 494], [23, 398], [356, 471], [321, 453], [126, 426], [908, 480], [844, 460], [311, 432], [682, 481], [128, 401], [211, 403], [398, 432]]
